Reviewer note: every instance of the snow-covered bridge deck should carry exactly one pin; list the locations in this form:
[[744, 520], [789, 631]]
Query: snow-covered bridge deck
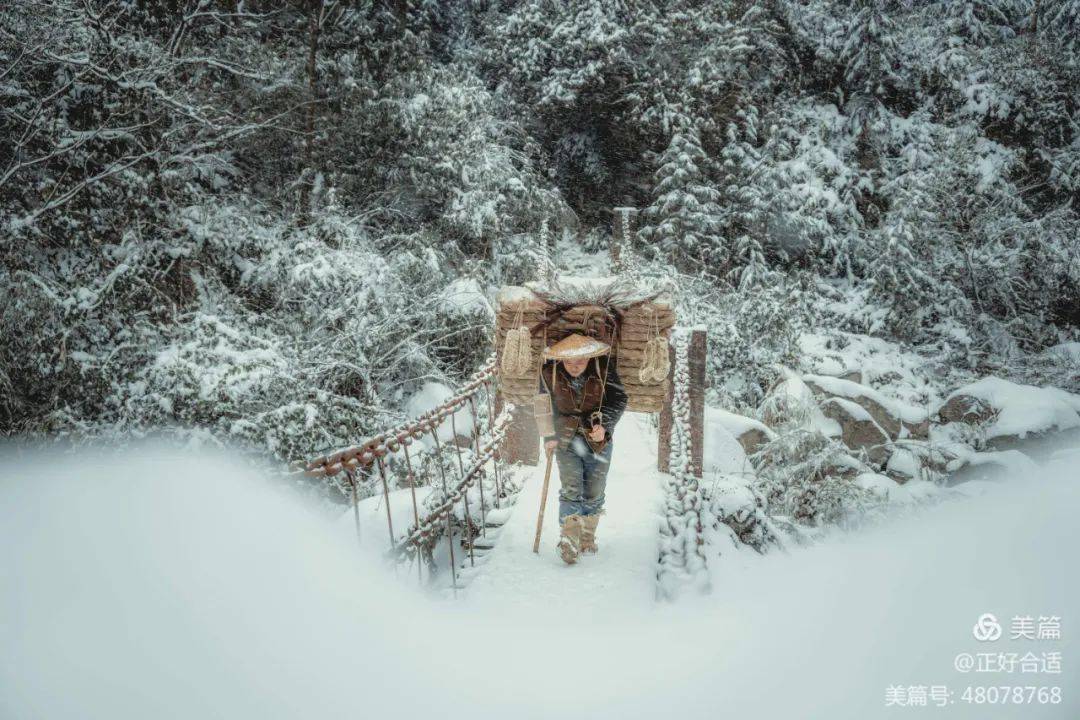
[[624, 570]]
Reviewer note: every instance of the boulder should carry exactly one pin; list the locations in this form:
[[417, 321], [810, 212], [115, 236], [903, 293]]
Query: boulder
[[750, 433], [881, 485], [863, 396], [919, 430], [897, 418], [904, 464], [854, 376], [793, 401], [743, 510], [752, 439], [844, 466], [1008, 412], [722, 453], [858, 428], [966, 409]]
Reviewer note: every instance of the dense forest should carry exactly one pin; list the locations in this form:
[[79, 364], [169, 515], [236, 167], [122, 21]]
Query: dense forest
[[269, 222]]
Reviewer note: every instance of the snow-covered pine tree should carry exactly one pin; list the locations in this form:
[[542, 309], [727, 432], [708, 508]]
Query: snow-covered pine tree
[[570, 64], [749, 202], [983, 22], [1058, 21], [872, 59], [899, 251], [684, 218]]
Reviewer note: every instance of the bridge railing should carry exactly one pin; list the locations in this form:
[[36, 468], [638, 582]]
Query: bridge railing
[[473, 462]]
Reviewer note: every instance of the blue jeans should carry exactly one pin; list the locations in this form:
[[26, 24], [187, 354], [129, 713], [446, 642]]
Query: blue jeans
[[583, 475]]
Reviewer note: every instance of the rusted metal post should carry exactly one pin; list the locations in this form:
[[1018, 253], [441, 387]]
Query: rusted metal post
[[465, 494], [446, 495], [491, 429], [480, 475], [351, 478], [696, 354], [386, 500], [412, 484], [468, 526], [415, 511]]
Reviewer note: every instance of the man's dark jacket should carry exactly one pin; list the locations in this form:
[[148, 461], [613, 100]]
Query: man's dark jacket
[[573, 409]]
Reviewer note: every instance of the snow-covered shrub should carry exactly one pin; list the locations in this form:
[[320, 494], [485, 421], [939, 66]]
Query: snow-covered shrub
[[456, 162], [809, 478], [804, 472], [751, 333], [744, 511]]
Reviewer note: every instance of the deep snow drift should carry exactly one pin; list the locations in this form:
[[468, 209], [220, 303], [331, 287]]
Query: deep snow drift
[[169, 586]]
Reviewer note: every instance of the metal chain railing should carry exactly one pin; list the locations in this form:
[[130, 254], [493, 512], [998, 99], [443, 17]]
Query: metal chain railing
[[682, 552], [428, 523]]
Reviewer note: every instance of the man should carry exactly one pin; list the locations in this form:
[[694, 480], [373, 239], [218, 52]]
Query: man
[[587, 400]]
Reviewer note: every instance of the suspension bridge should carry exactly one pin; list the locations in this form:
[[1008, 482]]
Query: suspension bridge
[[459, 503]]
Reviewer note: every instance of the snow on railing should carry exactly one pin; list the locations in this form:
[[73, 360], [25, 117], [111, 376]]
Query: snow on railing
[[682, 541], [426, 529]]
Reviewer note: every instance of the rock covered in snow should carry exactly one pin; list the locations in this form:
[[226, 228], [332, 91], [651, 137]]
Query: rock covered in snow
[[878, 484], [722, 452], [1009, 410], [911, 493], [994, 466], [903, 464], [792, 400], [854, 376], [858, 428], [741, 508], [898, 419], [751, 434], [966, 409]]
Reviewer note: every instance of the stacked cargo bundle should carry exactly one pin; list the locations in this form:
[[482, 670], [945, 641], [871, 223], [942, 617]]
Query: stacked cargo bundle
[[637, 330], [644, 371]]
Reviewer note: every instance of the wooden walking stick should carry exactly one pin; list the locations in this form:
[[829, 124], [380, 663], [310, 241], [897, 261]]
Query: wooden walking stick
[[543, 501], [545, 424]]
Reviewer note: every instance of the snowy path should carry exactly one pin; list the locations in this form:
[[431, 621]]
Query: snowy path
[[624, 570], [180, 586]]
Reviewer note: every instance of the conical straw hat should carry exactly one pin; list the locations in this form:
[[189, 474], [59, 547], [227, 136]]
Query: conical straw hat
[[576, 346]]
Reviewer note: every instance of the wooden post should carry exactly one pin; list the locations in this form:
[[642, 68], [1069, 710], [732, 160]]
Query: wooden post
[[622, 230], [696, 362], [522, 443], [663, 450]]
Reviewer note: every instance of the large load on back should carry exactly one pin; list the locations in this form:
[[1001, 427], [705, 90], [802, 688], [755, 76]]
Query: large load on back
[[636, 323]]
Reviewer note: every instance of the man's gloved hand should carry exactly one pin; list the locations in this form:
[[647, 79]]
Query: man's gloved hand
[[551, 445]]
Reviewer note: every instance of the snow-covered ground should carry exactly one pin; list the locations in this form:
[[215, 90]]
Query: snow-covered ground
[[169, 586], [622, 577]]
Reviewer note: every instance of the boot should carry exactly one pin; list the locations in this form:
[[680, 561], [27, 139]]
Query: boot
[[588, 534], [570, 539]]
